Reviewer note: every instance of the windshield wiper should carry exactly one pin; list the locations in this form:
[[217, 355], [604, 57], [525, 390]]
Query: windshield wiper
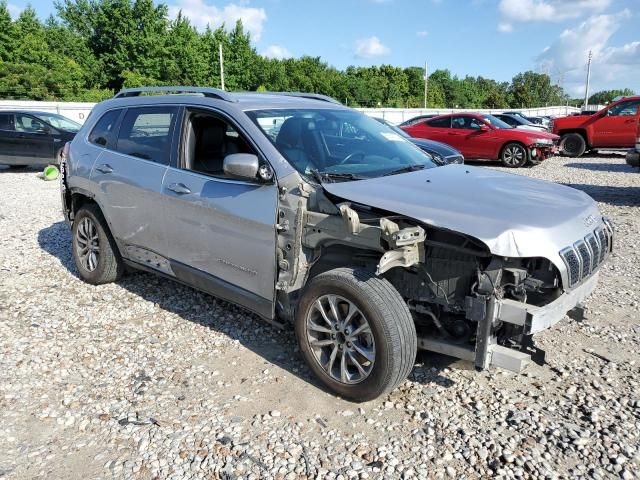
[[408, 168], [324, 176]]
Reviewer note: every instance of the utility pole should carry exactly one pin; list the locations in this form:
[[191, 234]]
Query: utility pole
[[221, 67], [426, 83], [586, 88]]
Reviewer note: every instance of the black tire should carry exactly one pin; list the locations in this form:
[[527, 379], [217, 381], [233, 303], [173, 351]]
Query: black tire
[[514, 155], [391, 327], [109, 266], [572, 144]]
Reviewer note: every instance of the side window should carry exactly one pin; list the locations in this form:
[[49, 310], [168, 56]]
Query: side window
[[465, 123], [29, 124], [6, 121], [146, 133], [439, 122], [207, 140], [103, 130], [624, 109]]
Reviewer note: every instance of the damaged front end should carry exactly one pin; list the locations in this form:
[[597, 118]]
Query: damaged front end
[[466, 302]]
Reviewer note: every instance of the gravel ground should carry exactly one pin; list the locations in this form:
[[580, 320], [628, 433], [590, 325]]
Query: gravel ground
[[149, 379]]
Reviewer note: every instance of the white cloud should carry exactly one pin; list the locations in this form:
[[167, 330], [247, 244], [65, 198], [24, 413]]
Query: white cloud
[[520, 11], [14, 10], [276, 51], [201, 14], [422, 33], [612, 66], [370, 47], [505, 27]]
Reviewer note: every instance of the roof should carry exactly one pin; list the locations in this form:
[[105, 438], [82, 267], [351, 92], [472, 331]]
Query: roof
[[244, 100]]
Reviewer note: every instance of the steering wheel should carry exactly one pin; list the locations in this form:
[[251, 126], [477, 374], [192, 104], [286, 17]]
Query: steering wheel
[[351, 155]]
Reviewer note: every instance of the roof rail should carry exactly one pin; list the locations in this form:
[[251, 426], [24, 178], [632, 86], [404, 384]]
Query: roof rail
[[205, 91], [311, 96]]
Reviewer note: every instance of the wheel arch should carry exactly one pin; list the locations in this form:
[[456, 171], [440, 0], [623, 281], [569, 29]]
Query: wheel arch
[[580, 131]]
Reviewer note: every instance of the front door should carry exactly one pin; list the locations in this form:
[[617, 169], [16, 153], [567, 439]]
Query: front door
[[618, 126], [467, 136], [220, 231], [34, 141]]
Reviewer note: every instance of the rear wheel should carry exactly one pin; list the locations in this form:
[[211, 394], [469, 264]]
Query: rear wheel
[[356, 333], [514, 155], [94, 250], [573, 144]]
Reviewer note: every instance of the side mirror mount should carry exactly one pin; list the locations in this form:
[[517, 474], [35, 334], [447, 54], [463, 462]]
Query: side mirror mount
[[246, 166], [484, 128]]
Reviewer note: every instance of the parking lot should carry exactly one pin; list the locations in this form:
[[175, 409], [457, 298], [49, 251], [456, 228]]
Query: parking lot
[[149, 379]]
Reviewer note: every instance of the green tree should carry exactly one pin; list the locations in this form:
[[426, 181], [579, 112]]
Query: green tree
[[7, 34], [605, 96]]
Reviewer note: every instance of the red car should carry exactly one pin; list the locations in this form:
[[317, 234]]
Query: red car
[[615, 126], [485, 137]]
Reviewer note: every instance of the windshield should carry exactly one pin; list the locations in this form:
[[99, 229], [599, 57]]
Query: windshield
[[339, 143], [59, 121], [495, 121]]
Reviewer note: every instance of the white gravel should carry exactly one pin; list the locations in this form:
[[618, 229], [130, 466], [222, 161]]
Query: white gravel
[[149, 379]]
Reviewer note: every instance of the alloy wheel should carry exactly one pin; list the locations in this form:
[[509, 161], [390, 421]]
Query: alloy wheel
[[341, 339], [88, 244], [513, 156]]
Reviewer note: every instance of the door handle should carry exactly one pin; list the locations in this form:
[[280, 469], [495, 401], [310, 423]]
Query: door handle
[[632, 120], [179, 188], [104, 168]]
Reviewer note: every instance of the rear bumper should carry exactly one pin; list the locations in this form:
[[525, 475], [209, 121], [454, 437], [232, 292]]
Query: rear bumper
[[633, 157], [536, 319]]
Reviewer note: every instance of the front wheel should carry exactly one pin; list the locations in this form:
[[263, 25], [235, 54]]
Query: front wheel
[[356, 333], [514, 155], [573, 144]]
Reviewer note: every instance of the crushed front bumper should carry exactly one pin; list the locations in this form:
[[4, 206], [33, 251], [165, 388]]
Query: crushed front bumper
[[535, 319]]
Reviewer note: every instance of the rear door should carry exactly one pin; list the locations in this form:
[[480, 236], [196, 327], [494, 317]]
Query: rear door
[[618, 126], [129, 175], [220, 230]]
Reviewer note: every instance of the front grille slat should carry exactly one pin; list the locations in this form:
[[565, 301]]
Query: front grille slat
[[573, 265], [594, 246], [585, 258]]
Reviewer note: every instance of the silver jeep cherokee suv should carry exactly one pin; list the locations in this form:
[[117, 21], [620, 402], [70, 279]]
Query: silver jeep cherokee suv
[[305, 211]]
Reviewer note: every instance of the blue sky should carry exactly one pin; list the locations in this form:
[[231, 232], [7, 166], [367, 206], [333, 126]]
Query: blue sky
[[493, 38]]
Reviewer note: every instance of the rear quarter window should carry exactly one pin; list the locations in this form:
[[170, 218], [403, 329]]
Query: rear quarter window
[[103, 131]]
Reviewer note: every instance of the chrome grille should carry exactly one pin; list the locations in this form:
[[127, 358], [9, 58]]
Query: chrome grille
[[584, 256]]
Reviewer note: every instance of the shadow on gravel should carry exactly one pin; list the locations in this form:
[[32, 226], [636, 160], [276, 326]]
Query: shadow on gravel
[[618, 196], [276, 346], [604, 167]]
